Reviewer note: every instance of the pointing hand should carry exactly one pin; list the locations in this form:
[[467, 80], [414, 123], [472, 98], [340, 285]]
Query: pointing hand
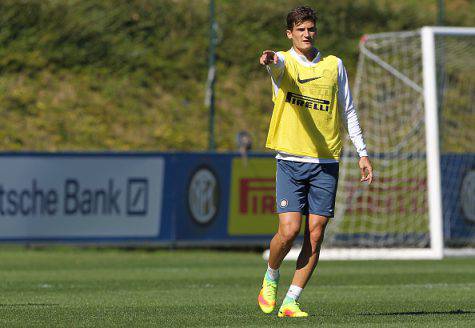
[[267, 57]]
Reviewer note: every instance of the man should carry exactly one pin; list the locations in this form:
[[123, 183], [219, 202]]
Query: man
[[310, 92]]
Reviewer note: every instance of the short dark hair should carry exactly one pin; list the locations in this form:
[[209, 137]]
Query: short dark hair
[[299, 15]]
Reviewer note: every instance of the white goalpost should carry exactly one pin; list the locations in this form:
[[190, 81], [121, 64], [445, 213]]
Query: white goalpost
[[415, 96]]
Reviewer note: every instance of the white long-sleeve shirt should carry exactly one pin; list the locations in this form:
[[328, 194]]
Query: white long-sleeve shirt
[[345, 101]]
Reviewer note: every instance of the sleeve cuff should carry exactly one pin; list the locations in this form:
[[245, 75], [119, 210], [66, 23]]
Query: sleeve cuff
[[363, 153], [280, 61]]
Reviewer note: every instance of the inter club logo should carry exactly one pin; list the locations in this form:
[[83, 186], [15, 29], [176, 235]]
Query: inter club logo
[[203, 196]]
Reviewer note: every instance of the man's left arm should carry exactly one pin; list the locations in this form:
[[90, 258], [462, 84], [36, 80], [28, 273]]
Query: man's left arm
[[345, 101]]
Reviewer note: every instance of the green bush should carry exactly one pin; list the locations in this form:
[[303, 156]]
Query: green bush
[[130, 75]]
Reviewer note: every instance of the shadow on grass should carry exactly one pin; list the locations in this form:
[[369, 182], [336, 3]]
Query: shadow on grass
[[28, 304], [420, 313]]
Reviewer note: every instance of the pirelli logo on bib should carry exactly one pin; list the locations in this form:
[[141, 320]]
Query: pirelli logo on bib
[[307, 102]]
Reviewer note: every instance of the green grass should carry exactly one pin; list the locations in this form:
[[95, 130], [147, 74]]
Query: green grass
[[91, 288]]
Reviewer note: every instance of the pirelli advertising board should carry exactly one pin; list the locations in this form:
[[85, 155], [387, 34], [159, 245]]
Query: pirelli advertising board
[[252, 204]]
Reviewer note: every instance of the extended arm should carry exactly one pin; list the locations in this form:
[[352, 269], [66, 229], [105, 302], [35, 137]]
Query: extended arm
[[274, 63]]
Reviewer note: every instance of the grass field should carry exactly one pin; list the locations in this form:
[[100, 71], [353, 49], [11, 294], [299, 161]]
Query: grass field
[[98, 288]]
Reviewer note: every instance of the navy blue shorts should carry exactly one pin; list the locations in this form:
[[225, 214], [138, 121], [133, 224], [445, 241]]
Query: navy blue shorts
[[308, 188]]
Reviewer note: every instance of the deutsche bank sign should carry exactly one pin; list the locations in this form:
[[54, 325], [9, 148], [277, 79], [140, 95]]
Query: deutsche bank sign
[[80, 196], [73, 198]]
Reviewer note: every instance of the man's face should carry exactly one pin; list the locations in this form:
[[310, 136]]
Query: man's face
[[303, 36]]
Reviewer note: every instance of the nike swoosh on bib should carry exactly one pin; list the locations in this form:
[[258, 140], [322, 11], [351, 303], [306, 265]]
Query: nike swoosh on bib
[[307, 80]]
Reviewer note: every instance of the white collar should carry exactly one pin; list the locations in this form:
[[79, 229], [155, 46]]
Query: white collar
[[302, 59]]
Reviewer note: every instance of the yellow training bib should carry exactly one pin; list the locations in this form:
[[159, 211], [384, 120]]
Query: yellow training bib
[[305, 120]]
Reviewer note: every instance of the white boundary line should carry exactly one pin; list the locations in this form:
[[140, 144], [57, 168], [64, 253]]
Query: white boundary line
[[379, 254]]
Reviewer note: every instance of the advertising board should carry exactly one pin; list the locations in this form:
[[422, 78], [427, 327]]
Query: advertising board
[[80, 196]]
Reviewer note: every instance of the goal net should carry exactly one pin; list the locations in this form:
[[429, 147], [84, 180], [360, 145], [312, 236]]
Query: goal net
[[415, 94]]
